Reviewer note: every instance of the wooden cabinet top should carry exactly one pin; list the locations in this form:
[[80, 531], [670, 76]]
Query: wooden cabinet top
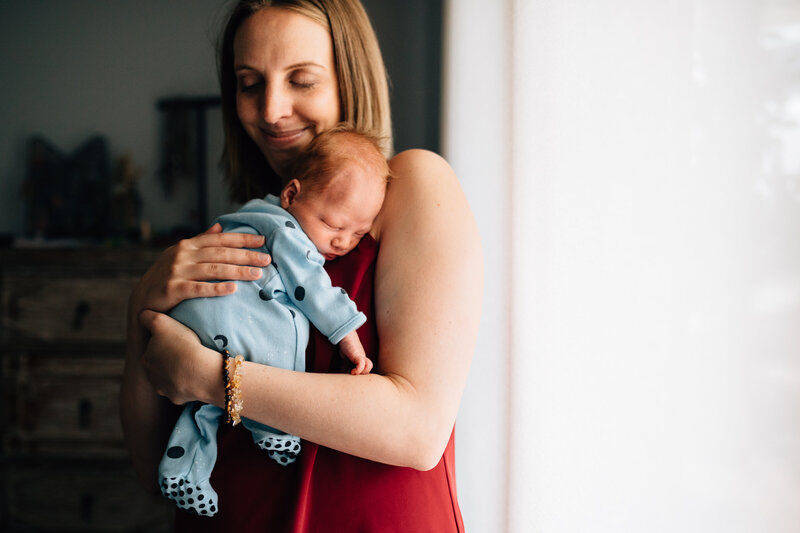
[[69, 262]]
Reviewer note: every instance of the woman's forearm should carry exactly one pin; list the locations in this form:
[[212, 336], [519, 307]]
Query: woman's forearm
[[373, 416]]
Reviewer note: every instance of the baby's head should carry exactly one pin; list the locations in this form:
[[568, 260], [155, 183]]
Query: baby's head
[[337, 189]]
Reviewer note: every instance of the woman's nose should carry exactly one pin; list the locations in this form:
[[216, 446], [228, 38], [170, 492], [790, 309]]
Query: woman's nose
[[277, 105]]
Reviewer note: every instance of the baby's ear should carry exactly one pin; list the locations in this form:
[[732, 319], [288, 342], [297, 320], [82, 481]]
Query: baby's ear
[[289, 193]]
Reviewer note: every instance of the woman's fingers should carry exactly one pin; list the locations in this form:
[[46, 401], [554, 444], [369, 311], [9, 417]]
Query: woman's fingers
[[220, 271], [228, 240], [184, 270], [231, 256], [180, 290], [216, 228]]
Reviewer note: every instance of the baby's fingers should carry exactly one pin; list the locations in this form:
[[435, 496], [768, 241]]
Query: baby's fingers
[[363, 366]]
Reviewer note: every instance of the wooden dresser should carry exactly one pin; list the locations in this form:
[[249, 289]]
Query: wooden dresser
[[63, 464]]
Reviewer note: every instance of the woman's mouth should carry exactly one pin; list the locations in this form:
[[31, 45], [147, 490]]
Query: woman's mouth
[[283, 139]]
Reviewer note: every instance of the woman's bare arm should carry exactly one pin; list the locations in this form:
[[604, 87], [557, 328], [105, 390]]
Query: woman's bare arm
[[428, 290]]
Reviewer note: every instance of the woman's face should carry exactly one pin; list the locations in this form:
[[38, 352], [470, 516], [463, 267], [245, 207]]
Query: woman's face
[[287, 91]]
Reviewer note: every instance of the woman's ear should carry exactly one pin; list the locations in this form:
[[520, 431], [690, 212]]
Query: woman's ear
[[289, 193]]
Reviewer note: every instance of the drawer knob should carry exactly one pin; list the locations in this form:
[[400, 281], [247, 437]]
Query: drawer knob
[[82, 309], [84, 413], [87, 507]]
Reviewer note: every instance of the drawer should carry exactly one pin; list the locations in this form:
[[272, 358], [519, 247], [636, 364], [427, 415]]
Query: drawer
[[84, 498], [62, 406], [64, 309]]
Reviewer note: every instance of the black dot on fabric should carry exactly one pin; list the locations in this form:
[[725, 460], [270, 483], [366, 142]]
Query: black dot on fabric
[[291, 311], [202, 505], [299, 293], [189, 490], [223, 339], [190, 501], [200, 498], [174, 453], [180, 482], [343, 291], [213, 509], [180, 502], [174, 485], [264, 295], [289, 224]]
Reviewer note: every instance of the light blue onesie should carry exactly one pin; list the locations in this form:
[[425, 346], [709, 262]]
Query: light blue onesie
[[267, 321]]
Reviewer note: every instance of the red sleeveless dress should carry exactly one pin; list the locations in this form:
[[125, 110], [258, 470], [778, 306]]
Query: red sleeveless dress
[[326, 491]]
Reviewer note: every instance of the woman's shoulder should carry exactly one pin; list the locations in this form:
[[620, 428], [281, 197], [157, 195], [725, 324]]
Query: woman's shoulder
[[422, 181], [417, 164], [418, 174]]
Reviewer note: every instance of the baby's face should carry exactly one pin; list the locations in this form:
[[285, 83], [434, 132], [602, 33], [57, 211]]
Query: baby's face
[[336, 218]]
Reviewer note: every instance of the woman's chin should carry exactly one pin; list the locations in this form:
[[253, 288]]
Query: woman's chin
[[280, 161]]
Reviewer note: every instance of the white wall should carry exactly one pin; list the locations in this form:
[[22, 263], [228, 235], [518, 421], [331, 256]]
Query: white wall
[[654, 183], [476, 141]]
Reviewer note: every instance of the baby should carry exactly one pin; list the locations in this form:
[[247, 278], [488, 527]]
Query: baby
[[337, 190]]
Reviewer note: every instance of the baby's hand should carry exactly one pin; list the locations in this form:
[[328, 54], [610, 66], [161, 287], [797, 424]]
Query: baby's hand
[[351, 348]]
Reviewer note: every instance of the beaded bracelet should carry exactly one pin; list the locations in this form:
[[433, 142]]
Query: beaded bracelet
[[231, 372]]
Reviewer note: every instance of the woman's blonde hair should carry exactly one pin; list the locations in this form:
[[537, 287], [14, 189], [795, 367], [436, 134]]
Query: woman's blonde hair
[[363, 87]]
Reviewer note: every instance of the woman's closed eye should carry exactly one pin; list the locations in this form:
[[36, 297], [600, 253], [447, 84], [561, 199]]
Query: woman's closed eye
[[303, 83], [248, 84]]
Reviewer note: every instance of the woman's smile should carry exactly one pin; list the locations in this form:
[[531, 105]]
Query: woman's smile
[[284, 138]]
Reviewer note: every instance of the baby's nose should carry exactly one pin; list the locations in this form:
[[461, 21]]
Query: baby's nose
[[341, 243]]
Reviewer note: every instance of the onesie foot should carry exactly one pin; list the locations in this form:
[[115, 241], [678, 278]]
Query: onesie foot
[[283, 449], [197, 497]]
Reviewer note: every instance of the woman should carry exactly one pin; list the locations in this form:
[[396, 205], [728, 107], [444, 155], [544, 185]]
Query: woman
[[379, 448]]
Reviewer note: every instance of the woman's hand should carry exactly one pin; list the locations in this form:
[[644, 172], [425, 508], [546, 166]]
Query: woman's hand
[[177, 365], [186, 269]]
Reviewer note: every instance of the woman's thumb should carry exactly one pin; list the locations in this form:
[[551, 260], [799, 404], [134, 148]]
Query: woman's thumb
[[148, 318]]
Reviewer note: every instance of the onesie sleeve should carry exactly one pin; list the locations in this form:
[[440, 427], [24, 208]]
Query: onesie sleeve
[[299, 264]]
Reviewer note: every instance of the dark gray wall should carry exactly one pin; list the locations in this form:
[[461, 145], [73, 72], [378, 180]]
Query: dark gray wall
[[410, 34], [72, 68]]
